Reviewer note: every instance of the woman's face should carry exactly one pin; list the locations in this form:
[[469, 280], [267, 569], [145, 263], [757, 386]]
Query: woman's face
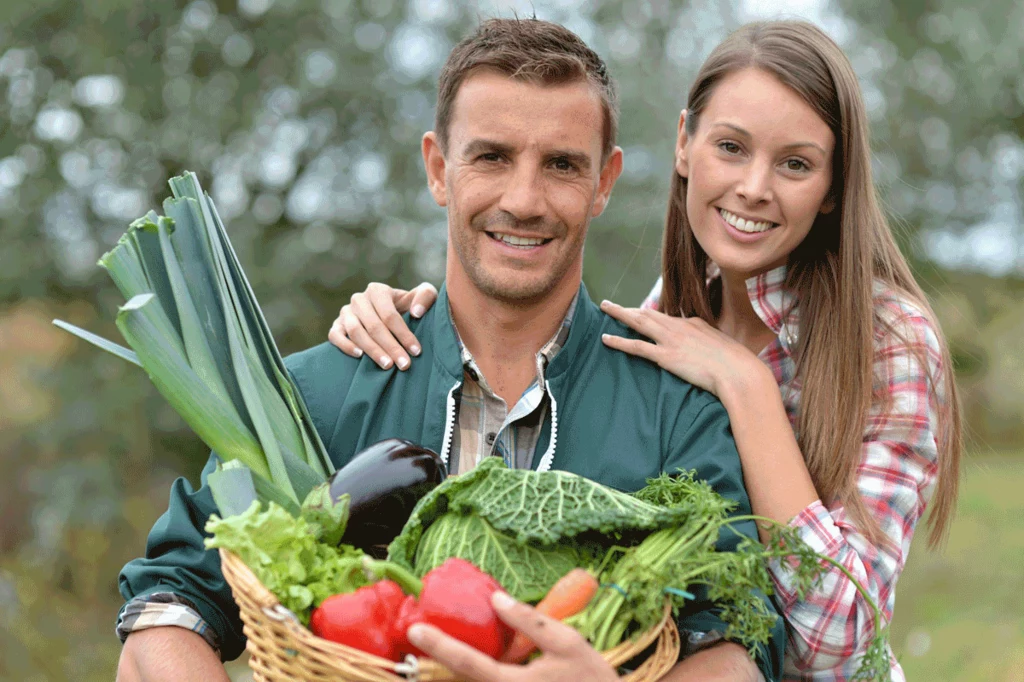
[[758, 170]]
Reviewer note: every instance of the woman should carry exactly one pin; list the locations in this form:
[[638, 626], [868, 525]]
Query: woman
[[784, 294]]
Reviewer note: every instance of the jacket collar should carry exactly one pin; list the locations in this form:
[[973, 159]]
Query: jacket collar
[[447, 351]]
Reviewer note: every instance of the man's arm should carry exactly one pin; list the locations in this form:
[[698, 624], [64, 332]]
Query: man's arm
[[168, 654], [725, 662], [177, 562]]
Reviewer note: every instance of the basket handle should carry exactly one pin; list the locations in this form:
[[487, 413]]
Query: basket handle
[[409, 668], [280, 614]]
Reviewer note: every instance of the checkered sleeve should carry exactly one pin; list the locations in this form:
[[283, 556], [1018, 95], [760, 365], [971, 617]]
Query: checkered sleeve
[[653, 300], [160, 609], [896, 478]]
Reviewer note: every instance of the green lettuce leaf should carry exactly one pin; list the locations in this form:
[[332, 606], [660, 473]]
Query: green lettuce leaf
[[283, 552]]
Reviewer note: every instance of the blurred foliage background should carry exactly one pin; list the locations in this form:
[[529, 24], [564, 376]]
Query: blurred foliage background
[[302, 117]]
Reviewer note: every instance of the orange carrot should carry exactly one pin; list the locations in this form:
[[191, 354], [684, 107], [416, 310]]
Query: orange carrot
[[567, 597]]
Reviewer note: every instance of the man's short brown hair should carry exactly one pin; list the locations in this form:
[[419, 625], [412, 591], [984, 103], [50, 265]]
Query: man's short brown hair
[[529, 50]]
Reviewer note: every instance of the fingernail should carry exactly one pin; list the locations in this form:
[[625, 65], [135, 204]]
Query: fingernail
[[415, 350], [502, 600], [385, 362], [418, 310], [403, 362], [605, 302], [416, 634], [359, 352], [605, 337]]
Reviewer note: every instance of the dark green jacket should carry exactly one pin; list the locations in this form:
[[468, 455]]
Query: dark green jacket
[[614, 418]]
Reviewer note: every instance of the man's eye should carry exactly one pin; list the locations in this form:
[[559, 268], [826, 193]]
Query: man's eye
[[563, 165], [490, 157]]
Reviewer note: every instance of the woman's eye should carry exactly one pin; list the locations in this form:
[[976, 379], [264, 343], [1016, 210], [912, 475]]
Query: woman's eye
[[729, 147], [796, 165]]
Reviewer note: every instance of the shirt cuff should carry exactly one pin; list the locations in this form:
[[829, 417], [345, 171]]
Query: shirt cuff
[[817, 528], [160, 609]]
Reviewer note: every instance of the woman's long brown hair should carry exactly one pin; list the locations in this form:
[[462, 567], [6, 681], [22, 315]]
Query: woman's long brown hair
[[832, 272]]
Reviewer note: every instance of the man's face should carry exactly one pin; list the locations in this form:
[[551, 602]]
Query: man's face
[[521, 179]]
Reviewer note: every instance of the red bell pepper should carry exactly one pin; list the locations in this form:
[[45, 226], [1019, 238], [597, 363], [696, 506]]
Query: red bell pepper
[[363, 619], [456, 599]]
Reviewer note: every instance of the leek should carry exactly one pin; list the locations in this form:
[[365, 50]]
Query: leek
[[194, 325]]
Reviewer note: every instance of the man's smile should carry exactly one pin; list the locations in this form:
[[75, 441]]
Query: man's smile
[[517, 241]]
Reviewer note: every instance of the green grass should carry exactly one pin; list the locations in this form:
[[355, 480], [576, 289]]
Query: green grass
[[960, 611]]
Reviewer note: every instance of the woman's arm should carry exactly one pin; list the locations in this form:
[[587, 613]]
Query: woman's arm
[[895, 478]]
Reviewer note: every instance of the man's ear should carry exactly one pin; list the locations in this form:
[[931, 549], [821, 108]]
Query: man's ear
[[435, 164], [682, 161], [609, 174]]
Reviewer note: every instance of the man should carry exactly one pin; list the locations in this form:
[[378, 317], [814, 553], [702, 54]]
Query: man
[[523, 156]]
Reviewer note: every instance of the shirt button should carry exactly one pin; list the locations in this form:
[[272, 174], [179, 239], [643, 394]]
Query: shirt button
[[490, 438]]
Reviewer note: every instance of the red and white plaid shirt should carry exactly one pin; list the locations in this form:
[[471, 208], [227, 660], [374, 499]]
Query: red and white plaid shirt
[[896, 478]]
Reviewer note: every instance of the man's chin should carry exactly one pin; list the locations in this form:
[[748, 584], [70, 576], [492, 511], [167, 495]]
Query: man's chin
[[516, 292]]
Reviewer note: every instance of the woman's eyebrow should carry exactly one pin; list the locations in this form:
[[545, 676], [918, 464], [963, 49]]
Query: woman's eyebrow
[[794, 145]]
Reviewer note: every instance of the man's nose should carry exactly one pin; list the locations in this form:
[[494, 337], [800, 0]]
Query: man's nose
[[523, 196], [755, 184]]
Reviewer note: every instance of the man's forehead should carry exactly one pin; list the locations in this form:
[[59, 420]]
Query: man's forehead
[[493, 106]]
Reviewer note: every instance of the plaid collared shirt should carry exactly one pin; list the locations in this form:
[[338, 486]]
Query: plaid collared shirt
[[485, 426], [896, 478]]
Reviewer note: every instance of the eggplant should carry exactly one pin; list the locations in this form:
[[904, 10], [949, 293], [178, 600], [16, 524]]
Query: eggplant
[[384, 482]]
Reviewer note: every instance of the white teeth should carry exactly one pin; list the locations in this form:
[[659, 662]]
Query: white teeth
[[523, 242], [744, 225]]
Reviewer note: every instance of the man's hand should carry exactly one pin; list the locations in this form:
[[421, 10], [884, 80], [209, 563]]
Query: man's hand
[[567, 657], [725, 662], [168, 654]]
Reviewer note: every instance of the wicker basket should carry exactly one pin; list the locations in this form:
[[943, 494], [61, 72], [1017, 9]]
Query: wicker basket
[[282, 650]]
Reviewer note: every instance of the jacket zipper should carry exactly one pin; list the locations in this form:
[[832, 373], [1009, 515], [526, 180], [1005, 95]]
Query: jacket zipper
[[549, 455], [449, 424]]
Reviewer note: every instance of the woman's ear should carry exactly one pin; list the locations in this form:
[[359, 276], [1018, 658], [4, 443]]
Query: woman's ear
[[682, 162], [828, 205]]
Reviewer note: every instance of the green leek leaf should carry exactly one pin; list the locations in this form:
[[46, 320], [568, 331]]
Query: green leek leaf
[[168, 368], [109, 346]]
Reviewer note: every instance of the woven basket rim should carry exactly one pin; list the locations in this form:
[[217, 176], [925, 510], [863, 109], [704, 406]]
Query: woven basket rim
[[245, 584]]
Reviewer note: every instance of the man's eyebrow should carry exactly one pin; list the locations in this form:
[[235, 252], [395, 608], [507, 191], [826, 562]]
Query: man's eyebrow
[[580, 159], [483, 146], [794, 145]]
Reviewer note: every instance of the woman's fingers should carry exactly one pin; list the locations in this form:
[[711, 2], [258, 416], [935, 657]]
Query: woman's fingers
[[394, 337], [460, 658], [642, 349], [423, 296], [352, 324], [339, 338], [639, 320], [370, 333]]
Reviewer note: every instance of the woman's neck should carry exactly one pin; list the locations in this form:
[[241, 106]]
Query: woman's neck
[[737, 317]]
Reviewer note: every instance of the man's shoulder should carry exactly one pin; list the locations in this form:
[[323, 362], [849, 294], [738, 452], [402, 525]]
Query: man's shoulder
[[612, 360], [319, 361]]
